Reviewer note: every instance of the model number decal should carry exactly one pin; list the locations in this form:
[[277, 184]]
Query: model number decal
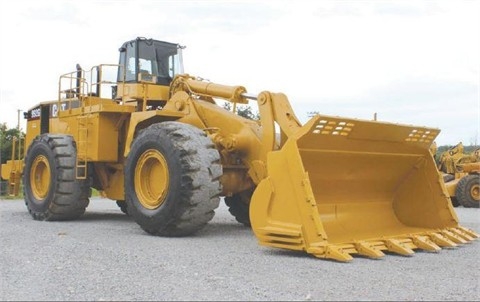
[[35, 113], [49, 110]]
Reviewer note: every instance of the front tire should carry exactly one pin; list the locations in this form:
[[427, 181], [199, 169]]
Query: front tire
[[468, 191], [51, 189], [238, 205], [172, 179]]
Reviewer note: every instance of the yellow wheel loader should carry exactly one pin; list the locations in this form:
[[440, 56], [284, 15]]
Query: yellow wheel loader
[[461, 174], [162, 148]]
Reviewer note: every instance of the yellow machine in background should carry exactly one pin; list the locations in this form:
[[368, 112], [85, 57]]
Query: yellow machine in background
[[461, 174], [166, 152], [12, 169]]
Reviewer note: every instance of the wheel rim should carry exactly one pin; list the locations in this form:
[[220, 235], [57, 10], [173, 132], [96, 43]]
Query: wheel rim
[[475, 192], [151, 179], [40, 177]]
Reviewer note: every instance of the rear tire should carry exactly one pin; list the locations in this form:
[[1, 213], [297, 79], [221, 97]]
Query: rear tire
[[455, 202], [238, 205], [123, 206], [172, 179], [51, 189], [468, 191]]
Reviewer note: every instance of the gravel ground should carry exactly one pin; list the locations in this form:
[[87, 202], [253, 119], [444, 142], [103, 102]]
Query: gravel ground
[[105, 256]]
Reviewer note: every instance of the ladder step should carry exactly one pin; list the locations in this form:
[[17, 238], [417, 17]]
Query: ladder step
[[82, 145], [14, 183]]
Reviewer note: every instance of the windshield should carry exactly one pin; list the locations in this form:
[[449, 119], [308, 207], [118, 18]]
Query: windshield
[[158, 58]]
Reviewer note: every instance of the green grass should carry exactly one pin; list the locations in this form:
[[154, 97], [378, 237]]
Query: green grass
[[95, 193], [4, 192], [8, 197]]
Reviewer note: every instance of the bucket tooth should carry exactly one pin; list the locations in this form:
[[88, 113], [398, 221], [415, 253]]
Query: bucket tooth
[[468, 231], [337, 253], [441, 240], [463, 235], [424, 243], [453, 237], [366, 249], [396, 246]]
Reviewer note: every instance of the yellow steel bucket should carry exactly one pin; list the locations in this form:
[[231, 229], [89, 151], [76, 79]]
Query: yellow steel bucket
[[343, 186]]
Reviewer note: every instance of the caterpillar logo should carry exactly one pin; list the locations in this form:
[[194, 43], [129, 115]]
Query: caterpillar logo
[[51, 110], [54, 111]]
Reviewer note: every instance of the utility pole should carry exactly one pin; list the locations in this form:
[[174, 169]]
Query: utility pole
[[18, 121], [1, 181], [19, 136]]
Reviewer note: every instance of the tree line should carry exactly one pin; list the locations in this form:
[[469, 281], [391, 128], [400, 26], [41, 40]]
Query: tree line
[[7, 138]]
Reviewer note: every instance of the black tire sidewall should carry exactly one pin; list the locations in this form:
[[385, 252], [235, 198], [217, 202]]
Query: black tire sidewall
[[37, 148], [167, 210], [464, 188], [239, 205], [455, 202], [122, 204], [67, 196]]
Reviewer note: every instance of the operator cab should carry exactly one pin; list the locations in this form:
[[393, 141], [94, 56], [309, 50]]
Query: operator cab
[[147, 62]]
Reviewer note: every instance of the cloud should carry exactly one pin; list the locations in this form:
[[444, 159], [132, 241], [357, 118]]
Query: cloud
[[406, 60], [61, 12], [451, 106]]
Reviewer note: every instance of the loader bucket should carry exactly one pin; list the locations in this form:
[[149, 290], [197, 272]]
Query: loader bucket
[[340, 187]]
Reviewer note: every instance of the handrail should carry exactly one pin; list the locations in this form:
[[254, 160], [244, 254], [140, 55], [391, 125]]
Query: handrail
[[79, 84]]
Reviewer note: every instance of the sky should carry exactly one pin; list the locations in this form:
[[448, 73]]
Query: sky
[[408, 62]]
